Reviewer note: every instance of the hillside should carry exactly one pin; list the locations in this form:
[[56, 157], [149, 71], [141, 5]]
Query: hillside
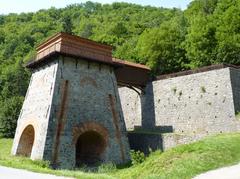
[[167, 40], [182, 162]]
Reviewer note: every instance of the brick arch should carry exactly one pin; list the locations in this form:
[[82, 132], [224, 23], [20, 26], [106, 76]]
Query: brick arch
[[26, 141], [88, 81], [89, 126], [90, 141], [25, 123], [21, 129]]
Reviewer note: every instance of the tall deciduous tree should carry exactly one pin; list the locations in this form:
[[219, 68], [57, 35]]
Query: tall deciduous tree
[[162, 48], [9, 111], [67, 25], [200, 43], [227, 17], [168, 40]]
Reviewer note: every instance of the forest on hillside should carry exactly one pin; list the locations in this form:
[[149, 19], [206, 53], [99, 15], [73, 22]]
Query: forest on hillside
[[167, 40]]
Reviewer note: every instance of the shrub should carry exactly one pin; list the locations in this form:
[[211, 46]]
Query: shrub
[[9, 111], [137, 157]]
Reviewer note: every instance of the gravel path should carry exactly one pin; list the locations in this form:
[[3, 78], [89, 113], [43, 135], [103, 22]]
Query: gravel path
[[11, 173], [232, 172]]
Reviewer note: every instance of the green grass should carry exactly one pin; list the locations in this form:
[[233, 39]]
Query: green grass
[[182, 162]]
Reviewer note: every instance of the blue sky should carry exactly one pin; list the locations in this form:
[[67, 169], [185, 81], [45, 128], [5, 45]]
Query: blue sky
[[18, 6]]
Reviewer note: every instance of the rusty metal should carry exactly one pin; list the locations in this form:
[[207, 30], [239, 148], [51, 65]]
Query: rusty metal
[[61, 120]]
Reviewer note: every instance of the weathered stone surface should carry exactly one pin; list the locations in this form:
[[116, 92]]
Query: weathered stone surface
[[147, 142], [196, 105], [36, 109], [65, 100], [73, 103]]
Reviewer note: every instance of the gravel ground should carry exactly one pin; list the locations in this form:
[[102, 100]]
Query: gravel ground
[[232, 172], [11, 173]]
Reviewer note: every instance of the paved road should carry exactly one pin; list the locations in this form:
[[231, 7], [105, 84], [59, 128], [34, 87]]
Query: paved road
[[232, 172], [11, 173]]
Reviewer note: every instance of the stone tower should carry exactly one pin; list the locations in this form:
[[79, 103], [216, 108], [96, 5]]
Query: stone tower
[[72, 114]]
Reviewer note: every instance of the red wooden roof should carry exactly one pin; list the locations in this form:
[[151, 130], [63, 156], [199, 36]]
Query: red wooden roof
[[131, 74], [127, 73]]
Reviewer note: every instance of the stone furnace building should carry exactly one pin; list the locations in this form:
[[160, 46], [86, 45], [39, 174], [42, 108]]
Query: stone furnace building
[[72, 113]]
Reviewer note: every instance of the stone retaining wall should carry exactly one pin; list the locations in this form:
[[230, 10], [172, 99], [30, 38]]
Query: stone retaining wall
[[203, 103]]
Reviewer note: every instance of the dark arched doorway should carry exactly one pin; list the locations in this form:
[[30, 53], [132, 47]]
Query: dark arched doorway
[[89, 148], [26, 141]]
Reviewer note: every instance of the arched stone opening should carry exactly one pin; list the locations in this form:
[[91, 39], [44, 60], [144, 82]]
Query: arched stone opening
[[89, 148], [26, 141]]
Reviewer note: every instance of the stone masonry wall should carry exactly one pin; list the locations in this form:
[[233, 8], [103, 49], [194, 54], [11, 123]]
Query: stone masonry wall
[[36, 108], [144, 141], [202, 103], [85, 97], [131, 106]]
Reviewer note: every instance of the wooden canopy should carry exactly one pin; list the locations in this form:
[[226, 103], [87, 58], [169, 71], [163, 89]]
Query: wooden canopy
[[127, 73]]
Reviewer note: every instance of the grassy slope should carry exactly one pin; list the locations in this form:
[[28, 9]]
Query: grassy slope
[[182, 162], [37, 166]]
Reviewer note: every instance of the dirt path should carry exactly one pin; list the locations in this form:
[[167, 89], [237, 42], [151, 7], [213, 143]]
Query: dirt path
[[11, 173], [232, 172]]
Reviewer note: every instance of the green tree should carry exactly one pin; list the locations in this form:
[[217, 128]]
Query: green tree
[[14, 81], [67, 25], [200, 42], [168, 40], [87, 31], [227, 17], [119, 25], [213, 32], [161, 48], [9, 112]]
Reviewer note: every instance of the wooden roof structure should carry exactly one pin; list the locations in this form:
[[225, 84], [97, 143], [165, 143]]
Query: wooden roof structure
[[127, 73]]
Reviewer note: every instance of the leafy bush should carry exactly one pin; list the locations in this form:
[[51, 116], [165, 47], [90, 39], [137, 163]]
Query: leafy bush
[[137, 157], [9, 111]]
